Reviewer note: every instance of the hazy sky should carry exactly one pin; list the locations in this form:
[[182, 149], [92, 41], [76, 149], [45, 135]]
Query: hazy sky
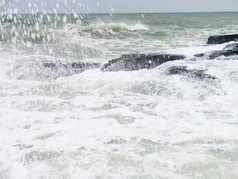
[[115, 6]]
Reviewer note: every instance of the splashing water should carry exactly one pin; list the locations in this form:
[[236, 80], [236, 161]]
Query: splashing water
[[140, 124]]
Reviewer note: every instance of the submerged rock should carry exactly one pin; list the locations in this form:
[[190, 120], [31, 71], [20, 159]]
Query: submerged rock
[[226, 53], [229, 50], [192, 73], [133, 62], [219, 39], [49, 70], [75, 66], [233, 46], [67, 69]]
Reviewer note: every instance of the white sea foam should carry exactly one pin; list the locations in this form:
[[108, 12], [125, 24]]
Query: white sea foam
[[140, 124], [87, 124], [105, 27]]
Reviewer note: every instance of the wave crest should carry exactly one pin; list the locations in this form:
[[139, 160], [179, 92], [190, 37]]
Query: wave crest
[[103, 30]]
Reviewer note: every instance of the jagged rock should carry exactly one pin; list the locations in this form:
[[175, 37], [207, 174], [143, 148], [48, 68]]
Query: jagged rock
[[199, 55], [229, 50], [67, 69], [75, 66], [219, 39], [233, 46], [133, 62], [225, 53], [192, 73], [49, 70]]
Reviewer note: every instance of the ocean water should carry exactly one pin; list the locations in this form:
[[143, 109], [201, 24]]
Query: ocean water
[[139, 124]]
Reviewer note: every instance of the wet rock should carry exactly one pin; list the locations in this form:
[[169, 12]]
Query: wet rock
[[192, 73], [49, 70], [225, 53], [74, 66], [219, 39], [133, 62], [200, 55], [67, 69], [233, 46], [229, 50]]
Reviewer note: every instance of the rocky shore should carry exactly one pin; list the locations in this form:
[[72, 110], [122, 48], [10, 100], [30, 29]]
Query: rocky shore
[[132, 62]]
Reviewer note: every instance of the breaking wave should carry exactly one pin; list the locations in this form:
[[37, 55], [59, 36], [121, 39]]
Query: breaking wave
[[108, 31]]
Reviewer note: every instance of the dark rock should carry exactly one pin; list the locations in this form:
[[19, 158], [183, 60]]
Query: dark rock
[[225, 53], [219, 39], [229, 50], [75, 66], [49, 70], [133, 62], [233, 46], [192, 73], [67, 69], [200, 55]]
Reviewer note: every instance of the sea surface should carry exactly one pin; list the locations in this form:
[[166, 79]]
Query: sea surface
[[138, 124]]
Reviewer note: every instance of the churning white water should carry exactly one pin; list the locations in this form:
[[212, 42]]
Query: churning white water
[[139, 124]]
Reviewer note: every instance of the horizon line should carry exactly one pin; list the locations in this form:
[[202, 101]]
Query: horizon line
[[111, 13]]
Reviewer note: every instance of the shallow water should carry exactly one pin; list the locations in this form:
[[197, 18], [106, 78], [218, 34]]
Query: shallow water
[[140, 124]]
